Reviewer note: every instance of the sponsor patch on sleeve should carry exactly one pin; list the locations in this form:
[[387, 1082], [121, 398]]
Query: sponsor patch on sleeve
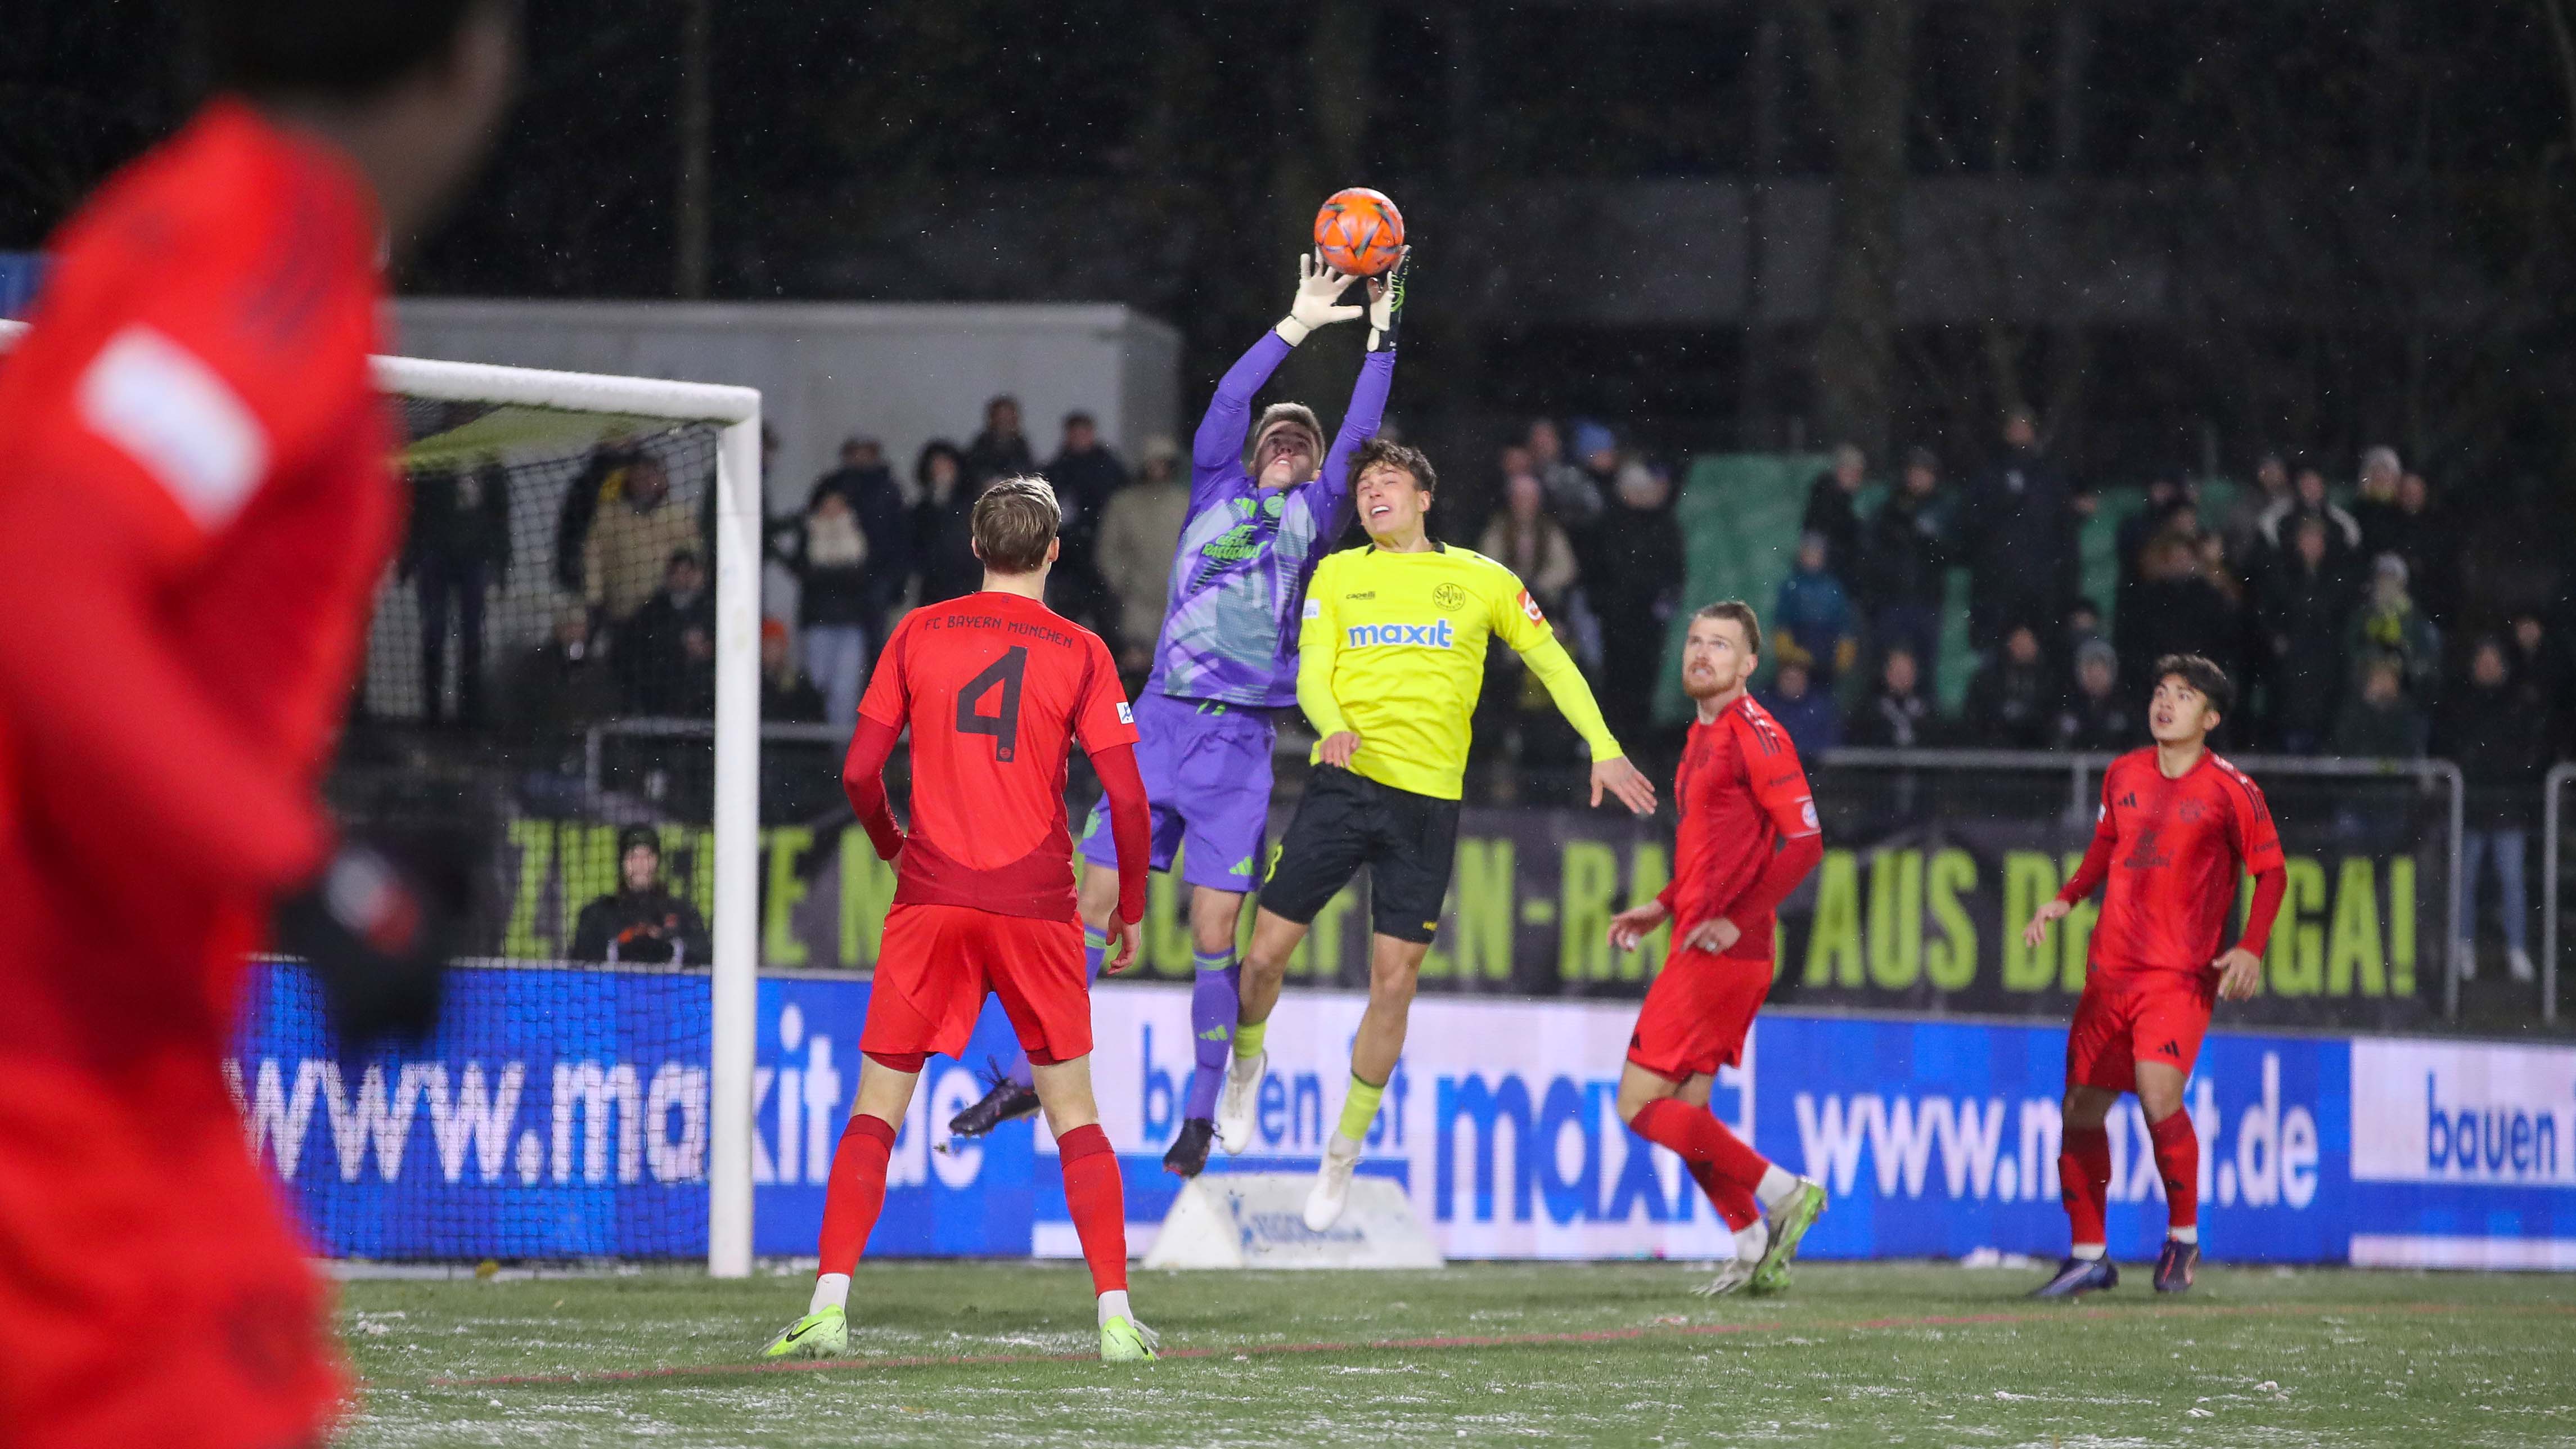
[[1126, 716], [1314, 607], [1529, 606], [1807, 814], [179, 420]]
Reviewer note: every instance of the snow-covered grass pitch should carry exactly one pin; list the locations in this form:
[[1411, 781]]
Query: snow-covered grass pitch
[[1622, 1353]]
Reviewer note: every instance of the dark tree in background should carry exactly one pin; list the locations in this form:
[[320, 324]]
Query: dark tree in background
[[2182, 229]]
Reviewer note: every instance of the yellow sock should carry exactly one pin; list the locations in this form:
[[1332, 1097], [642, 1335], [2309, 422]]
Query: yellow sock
[[1360, 1108], [1248, 1037]]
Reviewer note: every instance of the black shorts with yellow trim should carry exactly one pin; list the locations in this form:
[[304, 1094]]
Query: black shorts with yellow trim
[[1409, 843]]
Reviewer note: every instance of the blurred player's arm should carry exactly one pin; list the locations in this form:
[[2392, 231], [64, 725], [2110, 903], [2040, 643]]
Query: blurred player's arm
[[1518, 622], [1319, 645], [132, 761]]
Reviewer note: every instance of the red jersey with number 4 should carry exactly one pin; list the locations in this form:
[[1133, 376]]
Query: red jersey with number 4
[[1740, 791], [2172, 850], [995, 689]]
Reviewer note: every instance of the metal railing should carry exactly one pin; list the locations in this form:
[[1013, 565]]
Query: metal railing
[[2082, 769], [2550, 789]]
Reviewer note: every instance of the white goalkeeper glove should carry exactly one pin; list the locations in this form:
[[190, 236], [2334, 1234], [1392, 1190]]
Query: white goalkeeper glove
[[1386, 302], [1319, 289]]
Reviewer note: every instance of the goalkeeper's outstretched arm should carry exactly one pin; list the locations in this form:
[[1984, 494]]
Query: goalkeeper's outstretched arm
[[1218, 445]]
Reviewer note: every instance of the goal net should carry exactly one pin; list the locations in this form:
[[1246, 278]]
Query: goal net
[[567, 653]]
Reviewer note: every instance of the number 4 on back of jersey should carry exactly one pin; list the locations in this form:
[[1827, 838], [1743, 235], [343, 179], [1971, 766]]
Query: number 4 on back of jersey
[[1004, 723]]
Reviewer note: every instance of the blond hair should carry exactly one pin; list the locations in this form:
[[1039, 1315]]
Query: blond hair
[[1014, 521]]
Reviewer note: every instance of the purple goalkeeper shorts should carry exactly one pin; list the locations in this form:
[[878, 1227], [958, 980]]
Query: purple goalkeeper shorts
[[1207, 770]]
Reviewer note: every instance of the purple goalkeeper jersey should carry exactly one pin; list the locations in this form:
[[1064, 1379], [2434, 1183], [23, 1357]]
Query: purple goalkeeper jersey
[[1230, 624]]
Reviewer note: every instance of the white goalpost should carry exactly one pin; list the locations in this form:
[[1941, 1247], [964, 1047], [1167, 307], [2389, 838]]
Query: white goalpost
[[598, 406]]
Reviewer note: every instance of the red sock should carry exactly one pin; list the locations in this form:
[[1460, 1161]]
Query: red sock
[[857, 1191], [1734, 1204], [1703, 1141], [2084, 1180], [1097, 1200], [2178, 1162]]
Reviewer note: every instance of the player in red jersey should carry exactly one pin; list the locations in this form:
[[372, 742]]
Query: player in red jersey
[[196, 504], [995, 688], [2176, 825], [1748, 835]]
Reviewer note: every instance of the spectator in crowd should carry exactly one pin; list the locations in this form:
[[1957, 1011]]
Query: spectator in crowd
[[2242, 525], [631, 542], [457, 549], [2538, 664], [2012, 701], [2020, 524], [2166, 495], [1137, 540], [558, 688], [1896, 716], [885, 528], [665, 651], [1832, 504], [2098, 719], [2175, 609], [943, 524], [2308, 499], [1638, 584], [602, 479], [2388, 623], [1812, 619], [1086, 475], [2378, 722], [1525, 540], [827, 550], [1804, 710], [640, 921], [2423, 536], [2083, 624], [1572, 495], [1596, 456], [1904, 564], [1001, 450], [2302, 610], [2374, 502], [787, 696], [2503, 755]]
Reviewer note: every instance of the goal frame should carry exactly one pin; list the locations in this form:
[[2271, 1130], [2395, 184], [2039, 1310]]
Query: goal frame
[[734, 969]]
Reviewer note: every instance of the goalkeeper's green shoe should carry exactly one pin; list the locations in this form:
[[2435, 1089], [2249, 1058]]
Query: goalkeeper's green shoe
[[1788, 1223], [816, 1335], [1125, 1342]]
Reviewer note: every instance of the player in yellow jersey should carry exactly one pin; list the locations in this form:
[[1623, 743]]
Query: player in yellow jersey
[[1391, 657]]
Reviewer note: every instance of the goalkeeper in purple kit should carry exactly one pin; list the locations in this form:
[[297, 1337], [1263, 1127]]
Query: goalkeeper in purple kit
[[1259, 522]]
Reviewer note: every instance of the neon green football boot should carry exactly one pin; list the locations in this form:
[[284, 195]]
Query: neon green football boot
[[1788, 1223], [1124, 1342], [816, 1335]]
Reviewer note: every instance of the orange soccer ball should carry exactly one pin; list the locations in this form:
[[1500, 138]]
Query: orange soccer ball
[[1359, 231]]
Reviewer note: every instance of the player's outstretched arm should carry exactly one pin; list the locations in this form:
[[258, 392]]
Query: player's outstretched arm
[[1330, 498], [1611, 771], [1216, 450], [2037, 931], [1631, 925]]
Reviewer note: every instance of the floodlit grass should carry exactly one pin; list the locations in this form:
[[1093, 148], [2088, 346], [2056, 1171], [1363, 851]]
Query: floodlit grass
[[1501, 1354]]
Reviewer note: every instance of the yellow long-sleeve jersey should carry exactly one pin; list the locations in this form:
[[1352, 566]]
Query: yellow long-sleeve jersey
[[1393, 646]]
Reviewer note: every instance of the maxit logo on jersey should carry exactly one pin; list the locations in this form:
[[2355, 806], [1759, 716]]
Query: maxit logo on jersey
[[1435, 635]]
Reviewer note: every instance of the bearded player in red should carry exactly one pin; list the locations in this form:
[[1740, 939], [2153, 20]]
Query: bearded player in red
[[196, 505], [1748, 835], [994, 687], [2176, 825]]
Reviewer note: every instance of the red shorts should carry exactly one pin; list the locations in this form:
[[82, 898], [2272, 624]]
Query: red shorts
[[2120, 1024], [937, 963], [1697, 1014], [151, 1288]]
